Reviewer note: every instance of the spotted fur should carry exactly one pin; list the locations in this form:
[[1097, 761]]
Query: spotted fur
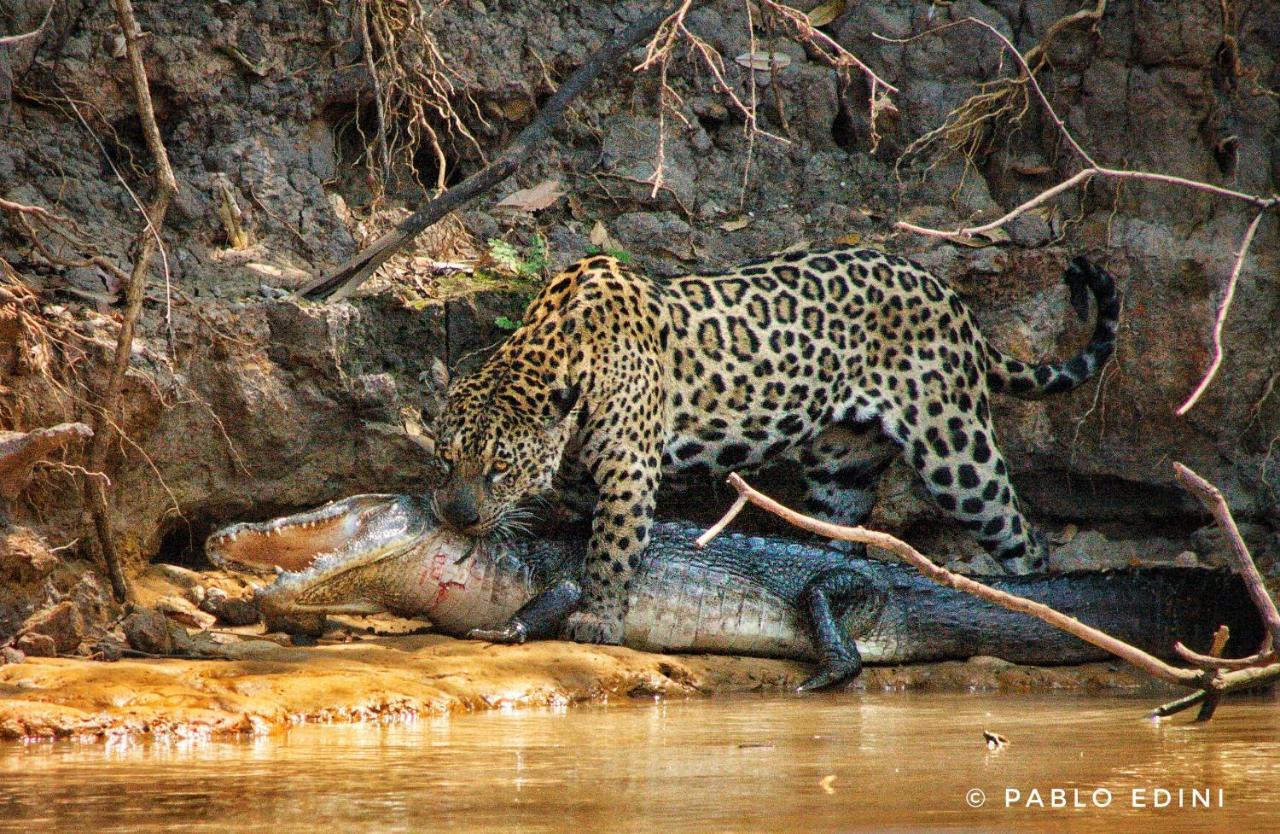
[[844, 357]]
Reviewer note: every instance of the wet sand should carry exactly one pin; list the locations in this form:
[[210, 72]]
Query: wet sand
[[265, 687]]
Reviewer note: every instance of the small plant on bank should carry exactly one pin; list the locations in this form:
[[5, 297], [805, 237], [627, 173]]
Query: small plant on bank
[[621, 255], [529, 264]]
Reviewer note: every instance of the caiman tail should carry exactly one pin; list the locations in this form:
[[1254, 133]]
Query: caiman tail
[[1151, 608]]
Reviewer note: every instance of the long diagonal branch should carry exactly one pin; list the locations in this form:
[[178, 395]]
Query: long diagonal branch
[[1204, 679]]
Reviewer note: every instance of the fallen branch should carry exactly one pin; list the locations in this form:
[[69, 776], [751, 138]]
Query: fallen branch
[[148, 240], [343, 279], [1094, 169], [1207, 680], [1216, 504], [1135, 656]]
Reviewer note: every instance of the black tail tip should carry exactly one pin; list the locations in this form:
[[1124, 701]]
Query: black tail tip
[[1081, 276]]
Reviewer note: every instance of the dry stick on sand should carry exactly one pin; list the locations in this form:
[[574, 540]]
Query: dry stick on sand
[[343, 279], [1203, 679], [1093, 169], [1216, 504], [148, 239]]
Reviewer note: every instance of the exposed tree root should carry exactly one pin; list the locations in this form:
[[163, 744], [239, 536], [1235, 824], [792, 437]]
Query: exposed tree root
[[149, 240], [1003, 101], [21, 451], [416, 92], [343, 279], [39, 224]]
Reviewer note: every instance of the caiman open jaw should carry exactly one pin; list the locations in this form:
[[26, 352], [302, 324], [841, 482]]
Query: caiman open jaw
[[360, 524], [361, 555]]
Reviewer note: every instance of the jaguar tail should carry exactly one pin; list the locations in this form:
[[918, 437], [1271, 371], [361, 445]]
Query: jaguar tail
[[1031, 382]]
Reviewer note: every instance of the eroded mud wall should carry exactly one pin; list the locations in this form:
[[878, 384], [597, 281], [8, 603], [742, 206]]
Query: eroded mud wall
[[257, 405]]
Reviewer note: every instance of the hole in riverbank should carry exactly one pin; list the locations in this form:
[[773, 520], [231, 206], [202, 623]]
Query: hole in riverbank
[[183, 545]]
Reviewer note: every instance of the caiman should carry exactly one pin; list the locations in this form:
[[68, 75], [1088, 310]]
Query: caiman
[[740, 595]]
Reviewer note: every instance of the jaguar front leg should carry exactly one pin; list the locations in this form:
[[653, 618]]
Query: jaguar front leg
[[538, 619], [620, 530]]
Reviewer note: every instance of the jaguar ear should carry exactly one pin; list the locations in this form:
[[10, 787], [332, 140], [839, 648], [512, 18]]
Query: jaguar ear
[[564, 398]]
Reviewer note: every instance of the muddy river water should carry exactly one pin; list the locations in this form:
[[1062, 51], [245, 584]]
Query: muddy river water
[[828, 763]]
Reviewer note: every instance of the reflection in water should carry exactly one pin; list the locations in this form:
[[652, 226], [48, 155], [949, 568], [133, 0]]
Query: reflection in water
[[904, 760]]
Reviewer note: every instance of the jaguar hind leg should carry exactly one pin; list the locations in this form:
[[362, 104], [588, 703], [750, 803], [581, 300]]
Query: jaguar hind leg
[[841, 469], [956, 457]]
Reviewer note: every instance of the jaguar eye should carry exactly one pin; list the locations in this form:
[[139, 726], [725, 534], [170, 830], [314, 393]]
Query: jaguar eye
[[500, 466]]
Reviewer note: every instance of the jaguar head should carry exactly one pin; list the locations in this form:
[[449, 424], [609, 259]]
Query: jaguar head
[[500, 437]]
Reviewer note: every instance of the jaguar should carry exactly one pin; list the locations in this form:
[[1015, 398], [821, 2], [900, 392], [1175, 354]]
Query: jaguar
[[843, 358]]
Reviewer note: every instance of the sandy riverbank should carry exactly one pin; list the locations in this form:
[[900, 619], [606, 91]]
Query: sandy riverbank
[[267, 687]]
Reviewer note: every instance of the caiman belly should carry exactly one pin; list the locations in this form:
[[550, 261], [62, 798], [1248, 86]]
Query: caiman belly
[[679, 608]]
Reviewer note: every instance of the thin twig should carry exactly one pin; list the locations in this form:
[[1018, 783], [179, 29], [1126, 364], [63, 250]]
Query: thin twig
[[155, 233], [1043, 197], [1211, 661], [42, 213], [1227, 297], [1213, 696], [9, 40], [1179, 704], [717, 528]]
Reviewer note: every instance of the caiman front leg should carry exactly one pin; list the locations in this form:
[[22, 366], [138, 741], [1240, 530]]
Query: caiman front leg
[[538, 619], [828, 600]]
